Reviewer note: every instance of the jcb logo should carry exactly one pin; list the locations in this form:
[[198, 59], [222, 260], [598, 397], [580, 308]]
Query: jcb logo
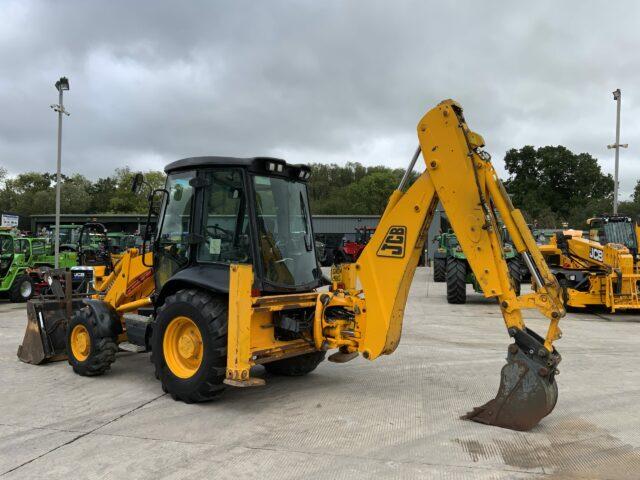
[[394, 243], [596, 254]]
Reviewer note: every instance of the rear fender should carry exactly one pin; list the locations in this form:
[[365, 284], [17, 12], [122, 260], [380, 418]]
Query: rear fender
[[204, 277]]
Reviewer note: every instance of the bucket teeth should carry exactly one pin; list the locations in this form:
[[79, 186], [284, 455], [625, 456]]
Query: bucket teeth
[[528, 391]]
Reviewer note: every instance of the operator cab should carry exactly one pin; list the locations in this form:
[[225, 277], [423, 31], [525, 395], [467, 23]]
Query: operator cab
[[222, 210], [614, 229]]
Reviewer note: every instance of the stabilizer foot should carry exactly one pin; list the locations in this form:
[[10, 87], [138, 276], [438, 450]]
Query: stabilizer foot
[[249, 382]]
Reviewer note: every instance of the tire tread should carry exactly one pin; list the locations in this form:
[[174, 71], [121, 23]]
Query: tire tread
[[214, 310], [456, 278]]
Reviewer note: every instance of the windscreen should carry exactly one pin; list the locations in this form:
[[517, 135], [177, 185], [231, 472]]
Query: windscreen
[[620, 232], [284, 230]]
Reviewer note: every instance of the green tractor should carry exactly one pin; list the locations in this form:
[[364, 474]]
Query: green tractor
[[450, 265], [20, 259]]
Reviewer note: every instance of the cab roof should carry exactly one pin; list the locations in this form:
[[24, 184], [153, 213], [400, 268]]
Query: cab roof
[[252, 163]]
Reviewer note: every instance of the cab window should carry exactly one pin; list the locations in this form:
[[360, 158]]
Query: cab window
[[38, 247], [225, 223], [21, 246]]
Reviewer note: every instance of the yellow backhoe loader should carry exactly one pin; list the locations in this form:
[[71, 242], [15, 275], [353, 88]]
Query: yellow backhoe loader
[[237, 282], [601, 270], [86, 329]]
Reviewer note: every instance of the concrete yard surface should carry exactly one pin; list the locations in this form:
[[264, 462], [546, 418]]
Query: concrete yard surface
[[397, 417]]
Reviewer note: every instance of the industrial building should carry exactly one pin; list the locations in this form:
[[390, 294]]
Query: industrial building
[[329, 229]]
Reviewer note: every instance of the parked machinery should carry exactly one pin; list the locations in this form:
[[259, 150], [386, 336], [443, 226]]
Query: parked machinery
[[350, 250], [235, 276], [450, 265], [20, 260], [598, 271]]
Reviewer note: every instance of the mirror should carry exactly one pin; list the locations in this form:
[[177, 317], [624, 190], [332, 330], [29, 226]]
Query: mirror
[[136, 185]]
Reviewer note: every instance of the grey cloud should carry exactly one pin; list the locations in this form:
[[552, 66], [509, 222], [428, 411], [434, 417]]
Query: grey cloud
[[315, 81]]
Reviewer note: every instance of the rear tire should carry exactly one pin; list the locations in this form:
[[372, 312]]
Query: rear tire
[[456, 277], [205, 372], [439, 270], [22, 289], [89, 353], [515, 273], [296, 366]]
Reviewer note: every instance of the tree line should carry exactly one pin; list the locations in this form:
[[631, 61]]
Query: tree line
[[34, 193], [551, 185], [555, 187]]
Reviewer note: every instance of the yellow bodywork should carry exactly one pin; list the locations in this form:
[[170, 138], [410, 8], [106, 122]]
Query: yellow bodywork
[[129, 285], [612, 272], [374, 290]]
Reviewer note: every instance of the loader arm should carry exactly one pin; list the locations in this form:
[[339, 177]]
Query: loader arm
[[376, 287]]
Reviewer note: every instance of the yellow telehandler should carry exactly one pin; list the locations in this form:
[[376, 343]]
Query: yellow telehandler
[[237, 282], [599, 271]]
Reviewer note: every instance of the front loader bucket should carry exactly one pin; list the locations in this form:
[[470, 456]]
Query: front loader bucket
[[528, 391], [45, 335]]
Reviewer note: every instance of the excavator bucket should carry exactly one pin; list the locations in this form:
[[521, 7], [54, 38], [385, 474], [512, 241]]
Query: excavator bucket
[[528, 391], [47, 316]]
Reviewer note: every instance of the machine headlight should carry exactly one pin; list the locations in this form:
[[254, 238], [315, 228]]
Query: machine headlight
[[272, 165]]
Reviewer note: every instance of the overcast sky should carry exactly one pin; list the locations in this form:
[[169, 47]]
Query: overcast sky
[[315, 81]]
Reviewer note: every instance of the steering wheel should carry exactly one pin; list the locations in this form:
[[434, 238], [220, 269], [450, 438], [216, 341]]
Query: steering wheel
[[285, 259], [216, 228]]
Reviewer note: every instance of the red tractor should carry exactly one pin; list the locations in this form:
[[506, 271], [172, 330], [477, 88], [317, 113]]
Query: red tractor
[[350, 250]]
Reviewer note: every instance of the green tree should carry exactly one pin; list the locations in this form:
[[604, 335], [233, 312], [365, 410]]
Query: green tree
[[636, 193], [123, 200], [101, 192], [369, 196], [554, 179]]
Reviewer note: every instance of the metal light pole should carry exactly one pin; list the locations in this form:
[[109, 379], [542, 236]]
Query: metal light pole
[[617, 96], [61, 86]]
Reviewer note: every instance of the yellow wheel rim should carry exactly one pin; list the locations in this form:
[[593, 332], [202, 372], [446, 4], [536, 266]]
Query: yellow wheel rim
[[80, 343], [182, 347]]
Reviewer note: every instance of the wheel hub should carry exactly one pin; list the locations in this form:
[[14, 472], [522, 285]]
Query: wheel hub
[[188, 346], [25, 289], [182, 347], [80, 343]]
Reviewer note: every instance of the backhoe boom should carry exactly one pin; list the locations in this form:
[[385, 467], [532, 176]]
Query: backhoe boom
[[462, 178]]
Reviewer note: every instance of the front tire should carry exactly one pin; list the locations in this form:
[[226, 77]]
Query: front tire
[[89, 353], [456, 277], [190, 345], [296, 366], [22, 289], [439, 270]]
